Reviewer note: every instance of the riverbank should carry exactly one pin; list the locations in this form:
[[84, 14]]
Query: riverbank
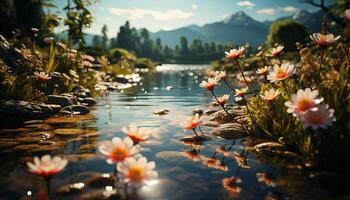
[[52, 79]]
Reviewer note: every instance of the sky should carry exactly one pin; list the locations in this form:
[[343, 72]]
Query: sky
[[158, 15]]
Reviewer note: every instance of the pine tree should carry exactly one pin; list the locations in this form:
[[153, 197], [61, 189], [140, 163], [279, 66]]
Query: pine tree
[[104, 39]]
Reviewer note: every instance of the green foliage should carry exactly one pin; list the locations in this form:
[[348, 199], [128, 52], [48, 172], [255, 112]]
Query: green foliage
[[331, 79], [142, 45], [21, 16], [77, 17], [65, 68], [287, 32]]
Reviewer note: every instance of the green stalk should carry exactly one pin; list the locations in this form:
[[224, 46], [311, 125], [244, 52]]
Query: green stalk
[[241, 70]]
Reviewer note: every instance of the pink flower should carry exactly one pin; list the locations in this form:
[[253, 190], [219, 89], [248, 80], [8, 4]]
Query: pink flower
[[118, 150], [241, 92], [270, 95], [47, 165], [137, 171], [235, 53], [263, 71], [322, 117], [302, 101], [222, 100], [193, 122], [88, 58], [280, 73], [323, 39], [210, 84], [275, 52], [221, 75], [137, 134], [42, 76]]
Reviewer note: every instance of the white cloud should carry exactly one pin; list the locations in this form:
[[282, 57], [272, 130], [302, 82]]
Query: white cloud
[[225, 16], [167, 28], [247, 4], [291, 9], [194, 6], [137, 13], [266, 11]]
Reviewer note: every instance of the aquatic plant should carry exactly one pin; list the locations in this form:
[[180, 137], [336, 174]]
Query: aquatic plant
[[47, 167], [131, 167], [118, 149], [137, 171], [137, 134]]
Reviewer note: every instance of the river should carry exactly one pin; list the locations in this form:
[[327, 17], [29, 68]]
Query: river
[[181, 176]]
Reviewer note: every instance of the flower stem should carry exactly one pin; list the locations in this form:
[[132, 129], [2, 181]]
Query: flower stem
[[223, 107], [194, 130], [115, 172], [245, 80], [322, 58], [285, 86], [48, 185], [126, 190], [201, 130], [248, 111]]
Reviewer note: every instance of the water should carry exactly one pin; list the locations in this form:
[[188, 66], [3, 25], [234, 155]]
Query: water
[[175, 88]]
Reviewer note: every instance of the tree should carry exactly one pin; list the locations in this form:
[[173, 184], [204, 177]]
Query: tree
[[104, 37], [287, 32], [21, 15], [183, 46], [147, 45], [78, 18], [113, 43], [159, 44], [327, 9], [206, 47], [96, 41], [212, 47]]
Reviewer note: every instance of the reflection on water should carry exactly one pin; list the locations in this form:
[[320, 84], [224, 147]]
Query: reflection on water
[[215, 169]]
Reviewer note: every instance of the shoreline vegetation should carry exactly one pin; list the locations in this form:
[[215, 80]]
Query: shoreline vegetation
[[39, 82], [289, 106], [301, 109]]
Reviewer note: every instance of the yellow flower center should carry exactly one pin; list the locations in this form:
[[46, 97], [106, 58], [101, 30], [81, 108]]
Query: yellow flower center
[[304, 105], [281, 73], [119, 154], [136, 174]]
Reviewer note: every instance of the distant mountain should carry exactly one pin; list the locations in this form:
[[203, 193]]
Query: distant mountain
[[239, 28], [312, 21]]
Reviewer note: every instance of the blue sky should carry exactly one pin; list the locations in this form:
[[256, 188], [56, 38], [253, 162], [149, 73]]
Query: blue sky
[[170, 14]]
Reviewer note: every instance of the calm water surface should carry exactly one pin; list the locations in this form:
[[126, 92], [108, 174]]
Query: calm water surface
[[174, 88]]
